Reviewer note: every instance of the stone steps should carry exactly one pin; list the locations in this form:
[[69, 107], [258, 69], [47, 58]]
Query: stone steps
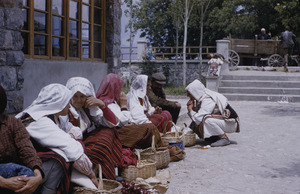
[[267, 87]]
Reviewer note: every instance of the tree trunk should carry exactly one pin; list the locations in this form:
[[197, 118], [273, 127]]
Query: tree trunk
[[184, 42]]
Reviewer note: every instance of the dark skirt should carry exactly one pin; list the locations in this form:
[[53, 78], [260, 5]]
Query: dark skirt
[[139, 136]]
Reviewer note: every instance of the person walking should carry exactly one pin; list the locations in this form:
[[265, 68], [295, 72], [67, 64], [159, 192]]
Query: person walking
[[287, 38]]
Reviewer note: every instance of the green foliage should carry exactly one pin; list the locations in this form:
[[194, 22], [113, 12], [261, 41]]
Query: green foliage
[[155, 23], [289, 12], [240, 18]]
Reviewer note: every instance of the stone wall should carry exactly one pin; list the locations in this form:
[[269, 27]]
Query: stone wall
[[173, 72], [11, 56]]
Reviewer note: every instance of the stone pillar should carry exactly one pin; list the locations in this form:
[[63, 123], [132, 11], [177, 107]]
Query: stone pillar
[[223, 49], [113, 35], [11, 55], [141, 50]]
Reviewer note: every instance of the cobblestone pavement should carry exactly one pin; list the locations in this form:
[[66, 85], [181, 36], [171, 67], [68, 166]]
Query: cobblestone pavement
[[265, 160]]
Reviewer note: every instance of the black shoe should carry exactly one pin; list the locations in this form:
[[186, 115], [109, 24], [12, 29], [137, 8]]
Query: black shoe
[[212, 139]]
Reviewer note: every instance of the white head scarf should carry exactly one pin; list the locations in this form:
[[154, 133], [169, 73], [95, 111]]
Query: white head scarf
[[83, 85], [199, 92], [139, 86], [52, 99]]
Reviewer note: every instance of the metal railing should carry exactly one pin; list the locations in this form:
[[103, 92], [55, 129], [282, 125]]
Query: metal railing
[[168, 53]]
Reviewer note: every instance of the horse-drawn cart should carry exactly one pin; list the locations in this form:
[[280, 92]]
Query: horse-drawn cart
[[269, 50]]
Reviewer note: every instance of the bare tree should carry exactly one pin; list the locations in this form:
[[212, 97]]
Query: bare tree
[[188, 7], [176, 14], [204, 4], [130, 12]]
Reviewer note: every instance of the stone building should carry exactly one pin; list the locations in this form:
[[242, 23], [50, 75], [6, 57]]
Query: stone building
[[49, 41]]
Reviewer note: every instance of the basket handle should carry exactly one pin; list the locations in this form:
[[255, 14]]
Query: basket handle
[[100, 185], [170, 121], [153, 144], [138, 156]]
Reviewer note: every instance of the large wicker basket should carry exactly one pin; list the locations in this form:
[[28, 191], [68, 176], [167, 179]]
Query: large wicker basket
[[105, 187], [189, 138], [160, 155], [144, 169], [176, 136]]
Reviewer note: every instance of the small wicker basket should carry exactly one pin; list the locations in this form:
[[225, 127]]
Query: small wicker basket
[[160, 155], [105, 186], [144, 169], [189, 138], [176, 136]]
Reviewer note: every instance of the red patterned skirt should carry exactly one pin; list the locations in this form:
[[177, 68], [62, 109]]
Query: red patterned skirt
[[161, 121], [104, 147]]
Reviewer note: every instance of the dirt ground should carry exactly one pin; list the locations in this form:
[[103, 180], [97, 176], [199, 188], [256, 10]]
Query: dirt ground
[[266, 158]]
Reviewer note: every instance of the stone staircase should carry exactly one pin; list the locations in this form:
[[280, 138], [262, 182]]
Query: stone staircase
[[261, 86]]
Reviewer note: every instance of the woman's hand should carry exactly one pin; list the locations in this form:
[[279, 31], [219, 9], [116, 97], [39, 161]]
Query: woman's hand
[[123, 100], [12, 183], [32, 183], [158, 110], [190, 105], [92, 101]]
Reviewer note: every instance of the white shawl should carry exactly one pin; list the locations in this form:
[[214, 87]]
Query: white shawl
[[83, 85], [138, 90], [80, 84], [199, 92], [51, 100]]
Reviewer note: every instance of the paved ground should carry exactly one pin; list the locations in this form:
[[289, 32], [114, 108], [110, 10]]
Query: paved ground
[[265, 160]]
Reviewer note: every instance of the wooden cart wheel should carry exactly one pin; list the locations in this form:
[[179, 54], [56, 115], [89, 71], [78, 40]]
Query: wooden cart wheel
[[234, 58], [275, 60]]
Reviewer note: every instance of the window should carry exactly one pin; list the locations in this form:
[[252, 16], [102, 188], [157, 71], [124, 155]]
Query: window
[[64, 29]]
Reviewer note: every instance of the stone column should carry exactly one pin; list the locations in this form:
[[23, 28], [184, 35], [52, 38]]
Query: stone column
[[141, 50], [223, 49], [113, 35], [11, 55]]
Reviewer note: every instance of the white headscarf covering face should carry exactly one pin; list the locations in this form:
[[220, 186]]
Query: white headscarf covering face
[[83, 85], [199, 92], [196, 89], [52, 99], [139, 86]]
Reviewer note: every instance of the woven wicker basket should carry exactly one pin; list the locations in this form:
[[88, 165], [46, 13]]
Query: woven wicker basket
[[144, 169], [189, 138], [160, 155], [176, 136], [105, 187]]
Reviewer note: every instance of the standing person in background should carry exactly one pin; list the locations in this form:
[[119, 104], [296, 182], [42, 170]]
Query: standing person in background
[[263, 35], [287, 38], [20, 168], [216, 60], [157, 96]]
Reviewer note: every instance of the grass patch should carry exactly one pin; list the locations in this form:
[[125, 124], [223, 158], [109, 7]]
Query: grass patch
[[169, 90], [175, 91]]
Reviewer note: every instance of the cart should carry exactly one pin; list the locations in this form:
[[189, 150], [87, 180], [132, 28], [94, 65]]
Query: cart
[[271, 50]]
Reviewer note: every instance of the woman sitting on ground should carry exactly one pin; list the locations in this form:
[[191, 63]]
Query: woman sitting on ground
[[54, 146], [20, 168], [96, 125], [140, 108], [211, 115], [131, 135]]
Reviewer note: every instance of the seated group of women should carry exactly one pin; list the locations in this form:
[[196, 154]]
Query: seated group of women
[[73, 128]]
